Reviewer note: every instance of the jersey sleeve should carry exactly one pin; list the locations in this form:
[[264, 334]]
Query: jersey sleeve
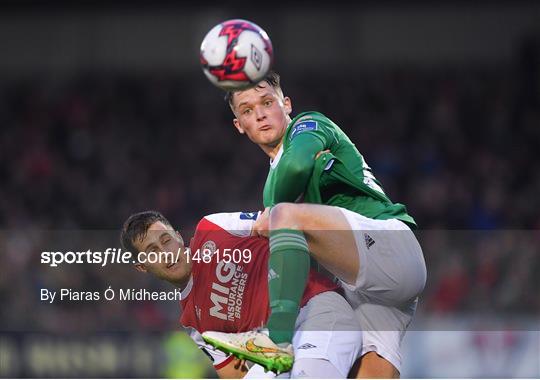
[[306, 137], [313, 124], [236, 223], [218, 358]]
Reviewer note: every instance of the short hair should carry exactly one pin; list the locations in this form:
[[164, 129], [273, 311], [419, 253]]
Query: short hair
[[136, 228], [272, 78]]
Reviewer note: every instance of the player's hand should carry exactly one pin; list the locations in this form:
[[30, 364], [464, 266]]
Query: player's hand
[[240, 364], [322, 152], [261, 226]]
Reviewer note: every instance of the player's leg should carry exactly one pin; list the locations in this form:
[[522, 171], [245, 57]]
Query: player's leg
[[379, 261], [373, 366], [254, 346], [332, 243], [327, 232], [383, 329], [327, 329], [378, 258], [288, 267], [294, 227]]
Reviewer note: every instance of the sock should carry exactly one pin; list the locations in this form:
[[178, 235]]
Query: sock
[[288, 269]]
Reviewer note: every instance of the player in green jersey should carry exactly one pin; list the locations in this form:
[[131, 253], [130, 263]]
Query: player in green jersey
[[313, 161]]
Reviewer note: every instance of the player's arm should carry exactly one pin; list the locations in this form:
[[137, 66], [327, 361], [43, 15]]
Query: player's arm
[[296, 166]]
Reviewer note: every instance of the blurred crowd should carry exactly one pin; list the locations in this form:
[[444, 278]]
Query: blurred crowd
[[458, 146]]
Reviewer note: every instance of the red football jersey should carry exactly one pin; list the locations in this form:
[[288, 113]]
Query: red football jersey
[[228, 296]]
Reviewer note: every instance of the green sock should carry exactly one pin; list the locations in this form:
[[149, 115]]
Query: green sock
[[288, 269]]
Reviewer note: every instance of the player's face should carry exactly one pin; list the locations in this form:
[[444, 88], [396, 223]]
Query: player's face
[[174, 267], [262, 113]]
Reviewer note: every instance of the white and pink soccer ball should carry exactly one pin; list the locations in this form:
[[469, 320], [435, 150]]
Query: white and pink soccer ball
[[236, 54]]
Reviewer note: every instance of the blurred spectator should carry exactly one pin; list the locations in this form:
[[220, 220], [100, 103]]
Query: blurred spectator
[[458, 147]]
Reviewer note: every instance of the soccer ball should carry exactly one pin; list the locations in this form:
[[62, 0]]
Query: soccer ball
[[236, 54]]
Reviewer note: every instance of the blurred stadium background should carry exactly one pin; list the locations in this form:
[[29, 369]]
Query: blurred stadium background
[[104, 111]]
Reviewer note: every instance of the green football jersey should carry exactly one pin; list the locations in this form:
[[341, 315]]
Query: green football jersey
[[338, 178]]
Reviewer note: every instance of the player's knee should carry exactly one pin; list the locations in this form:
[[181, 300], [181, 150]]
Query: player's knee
[[373, 366], [285, 215]]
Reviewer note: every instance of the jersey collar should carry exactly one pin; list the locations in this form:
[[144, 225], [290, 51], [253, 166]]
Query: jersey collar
[[185, 292], [275, 161]]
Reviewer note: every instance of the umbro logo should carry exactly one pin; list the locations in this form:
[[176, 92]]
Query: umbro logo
[[369, 240], [306, 346]]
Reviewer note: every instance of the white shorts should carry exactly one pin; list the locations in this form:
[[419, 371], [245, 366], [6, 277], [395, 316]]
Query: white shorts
[[392, 274], [326, 329]]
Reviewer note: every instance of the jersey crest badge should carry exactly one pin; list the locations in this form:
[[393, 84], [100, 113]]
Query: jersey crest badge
[[209, 246]]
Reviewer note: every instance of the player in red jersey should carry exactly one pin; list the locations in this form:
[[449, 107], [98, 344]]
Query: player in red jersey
[[223, 277]]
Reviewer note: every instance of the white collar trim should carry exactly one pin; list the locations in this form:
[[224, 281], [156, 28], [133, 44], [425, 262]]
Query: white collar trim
[[275, 161], [185, 292]]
